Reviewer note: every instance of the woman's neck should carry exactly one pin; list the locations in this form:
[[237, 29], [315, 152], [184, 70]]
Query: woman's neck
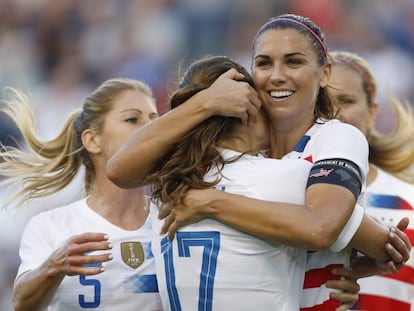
[[244, 139], [125, 208], [283, 139]]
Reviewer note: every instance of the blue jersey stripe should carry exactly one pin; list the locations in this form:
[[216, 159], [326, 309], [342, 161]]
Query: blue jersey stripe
[[302, 143], [387, 201]]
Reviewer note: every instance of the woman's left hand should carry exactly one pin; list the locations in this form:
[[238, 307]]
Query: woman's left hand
[[399, 246], [348, 288], [190, 210]]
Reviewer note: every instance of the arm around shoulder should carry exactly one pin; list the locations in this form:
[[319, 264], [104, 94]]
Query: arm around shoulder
[[137, 159], [287, 223], [130, 166]]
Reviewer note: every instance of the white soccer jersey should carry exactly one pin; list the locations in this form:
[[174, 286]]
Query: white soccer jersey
[[210, 266], [328, 140], [128, 282], [389, 199]]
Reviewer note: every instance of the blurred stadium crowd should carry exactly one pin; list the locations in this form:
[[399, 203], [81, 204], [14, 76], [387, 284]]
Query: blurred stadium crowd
[[58, 51]]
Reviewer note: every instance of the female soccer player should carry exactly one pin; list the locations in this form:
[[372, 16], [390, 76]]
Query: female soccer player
[[96, 252], [390, 189]]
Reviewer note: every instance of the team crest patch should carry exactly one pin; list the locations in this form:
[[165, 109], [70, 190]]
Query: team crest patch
[[132, 254]]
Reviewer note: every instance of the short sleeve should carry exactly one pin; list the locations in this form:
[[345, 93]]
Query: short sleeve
[[336, 140], [36, 243]]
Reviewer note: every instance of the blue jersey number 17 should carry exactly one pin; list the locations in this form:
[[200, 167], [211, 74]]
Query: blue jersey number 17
[[210, 241]]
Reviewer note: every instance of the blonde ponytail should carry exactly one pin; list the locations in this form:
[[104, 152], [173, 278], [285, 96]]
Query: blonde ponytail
[[394, 152], [49, 166], [46, 166]]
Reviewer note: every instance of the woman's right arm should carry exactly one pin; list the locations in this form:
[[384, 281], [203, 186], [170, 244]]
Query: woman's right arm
[[129, 167], [297, 225], [35, 289], [293, 224]]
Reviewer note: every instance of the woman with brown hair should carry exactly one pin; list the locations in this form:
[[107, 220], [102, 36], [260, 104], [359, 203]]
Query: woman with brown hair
[[291, 71]]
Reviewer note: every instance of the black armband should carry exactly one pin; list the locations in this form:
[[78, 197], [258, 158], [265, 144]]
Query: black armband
[[340, 172]]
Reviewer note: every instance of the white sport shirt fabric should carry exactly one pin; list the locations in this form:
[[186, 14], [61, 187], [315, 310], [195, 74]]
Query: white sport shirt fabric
[[328, 140], [390, 199], [128, 282], [209, 266]]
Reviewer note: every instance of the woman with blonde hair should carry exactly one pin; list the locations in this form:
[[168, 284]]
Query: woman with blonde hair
[[390, 180], [95, 252]]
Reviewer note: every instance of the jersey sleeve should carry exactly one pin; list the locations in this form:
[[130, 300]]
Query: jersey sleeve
[[35, 244], [338, 140]]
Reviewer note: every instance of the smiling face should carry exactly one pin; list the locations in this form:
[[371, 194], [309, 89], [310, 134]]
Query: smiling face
[[287, 75], [347, 89]]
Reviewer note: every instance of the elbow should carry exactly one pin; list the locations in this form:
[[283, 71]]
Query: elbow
[[323, 236], [17, 302], [319, 242], [114, 174], [17, 305], [20, 305]]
